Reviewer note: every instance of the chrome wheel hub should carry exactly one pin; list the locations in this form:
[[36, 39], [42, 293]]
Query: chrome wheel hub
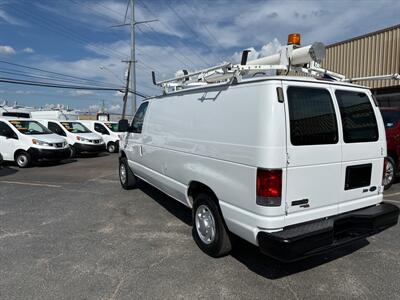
[[389, 173], [111, 148], [22, 160], [122, 173], [205, 224]]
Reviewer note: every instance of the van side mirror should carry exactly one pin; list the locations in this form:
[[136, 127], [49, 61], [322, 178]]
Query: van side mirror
[[123, 126]]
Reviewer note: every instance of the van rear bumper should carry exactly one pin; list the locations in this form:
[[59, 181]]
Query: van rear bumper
[[302, 240]]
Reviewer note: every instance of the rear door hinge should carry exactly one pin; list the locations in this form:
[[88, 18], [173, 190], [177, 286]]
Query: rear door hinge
[[287, 158]]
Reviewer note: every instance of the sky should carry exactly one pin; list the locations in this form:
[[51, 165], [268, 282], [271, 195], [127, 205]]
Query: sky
[[77, 38]]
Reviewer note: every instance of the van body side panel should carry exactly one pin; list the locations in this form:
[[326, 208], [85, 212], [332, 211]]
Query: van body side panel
[[192, 137]]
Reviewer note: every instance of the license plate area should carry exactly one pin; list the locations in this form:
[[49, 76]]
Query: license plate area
[[358, 176]]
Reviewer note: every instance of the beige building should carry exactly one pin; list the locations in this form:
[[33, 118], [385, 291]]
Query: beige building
[[375, 53]]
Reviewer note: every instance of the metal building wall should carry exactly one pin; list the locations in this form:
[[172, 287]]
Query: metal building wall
[[377, 53]]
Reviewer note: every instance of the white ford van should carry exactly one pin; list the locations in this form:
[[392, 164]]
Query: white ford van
[[78, 136], [108, 131], [26, 140], [291, 164]]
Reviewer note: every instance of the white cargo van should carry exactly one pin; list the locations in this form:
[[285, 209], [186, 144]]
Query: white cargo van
[[108, 131], [78, 136], [293, 165], [26, 140]]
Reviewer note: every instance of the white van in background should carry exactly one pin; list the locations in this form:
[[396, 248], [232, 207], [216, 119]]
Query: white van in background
[[56, 114], [291, 164], [78, 136], [27, 140], [108, 131]]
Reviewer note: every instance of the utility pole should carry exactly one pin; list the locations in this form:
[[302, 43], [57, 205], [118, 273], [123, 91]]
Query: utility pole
[[132, 61], [133, 69], [125, 99]]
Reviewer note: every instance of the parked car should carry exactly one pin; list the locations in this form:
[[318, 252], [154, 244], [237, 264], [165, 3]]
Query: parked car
[[26, 140], [391, 120], [78, 136], [291, 164], [108, 131]]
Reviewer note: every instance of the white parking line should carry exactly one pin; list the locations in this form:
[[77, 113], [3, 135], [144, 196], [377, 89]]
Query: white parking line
[[394, 194], [31, 183], [392, 201]]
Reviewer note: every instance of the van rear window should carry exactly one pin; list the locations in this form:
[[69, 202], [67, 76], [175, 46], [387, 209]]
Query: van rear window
[[312, 116], [358, 118]]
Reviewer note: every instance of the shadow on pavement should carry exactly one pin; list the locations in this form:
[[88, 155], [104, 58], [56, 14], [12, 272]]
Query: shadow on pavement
[[249, 254], [254, 260], [5, 170], [171, 205], [50, 163], [93, 155]]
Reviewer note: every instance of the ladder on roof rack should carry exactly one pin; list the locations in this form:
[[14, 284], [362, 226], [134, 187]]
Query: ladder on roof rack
[[291, 57]]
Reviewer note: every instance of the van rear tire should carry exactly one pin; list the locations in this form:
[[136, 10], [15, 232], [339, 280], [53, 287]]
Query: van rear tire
[[390, 173], [126, 177], [23, 159], [209, 229]]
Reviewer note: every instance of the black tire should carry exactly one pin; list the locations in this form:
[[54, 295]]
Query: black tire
[[390, 173], [221, 244], [73, 152], [128, 181], [23, 159], [111, 147]]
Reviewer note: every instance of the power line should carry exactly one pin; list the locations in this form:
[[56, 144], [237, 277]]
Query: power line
[[201, 23], [70, 34], [189, 27], [97, 12], [54, 73], [64, 86], [169, 28]]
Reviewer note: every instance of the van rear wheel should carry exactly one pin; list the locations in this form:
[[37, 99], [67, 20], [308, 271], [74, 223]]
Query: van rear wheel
[[126, 176], [390, 172], [23, 159], [209, 229]]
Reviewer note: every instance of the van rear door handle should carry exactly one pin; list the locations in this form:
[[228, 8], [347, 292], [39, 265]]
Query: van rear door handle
[[140, 150]]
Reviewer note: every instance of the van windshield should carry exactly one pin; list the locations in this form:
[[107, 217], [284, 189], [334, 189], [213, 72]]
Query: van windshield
[[29, 127], [75, 127], [112, 126]]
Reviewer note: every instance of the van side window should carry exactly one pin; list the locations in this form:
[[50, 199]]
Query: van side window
[[54, 127], [358, 118], [137, 122], [312, 117], [100, 128], [6, 131]]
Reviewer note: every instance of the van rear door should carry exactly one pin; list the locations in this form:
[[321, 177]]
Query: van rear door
[[363, 149], [314, 150]]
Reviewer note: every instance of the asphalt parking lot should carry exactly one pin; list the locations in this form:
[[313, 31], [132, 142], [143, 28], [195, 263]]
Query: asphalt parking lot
[[70, 232]]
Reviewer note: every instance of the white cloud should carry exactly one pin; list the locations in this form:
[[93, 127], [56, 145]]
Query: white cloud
[[6, 50], [270, 48], [7, 18], [78, 93], [28, 50]]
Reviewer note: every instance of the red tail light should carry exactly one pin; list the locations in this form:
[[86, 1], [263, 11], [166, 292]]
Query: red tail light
[[269, 187]]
